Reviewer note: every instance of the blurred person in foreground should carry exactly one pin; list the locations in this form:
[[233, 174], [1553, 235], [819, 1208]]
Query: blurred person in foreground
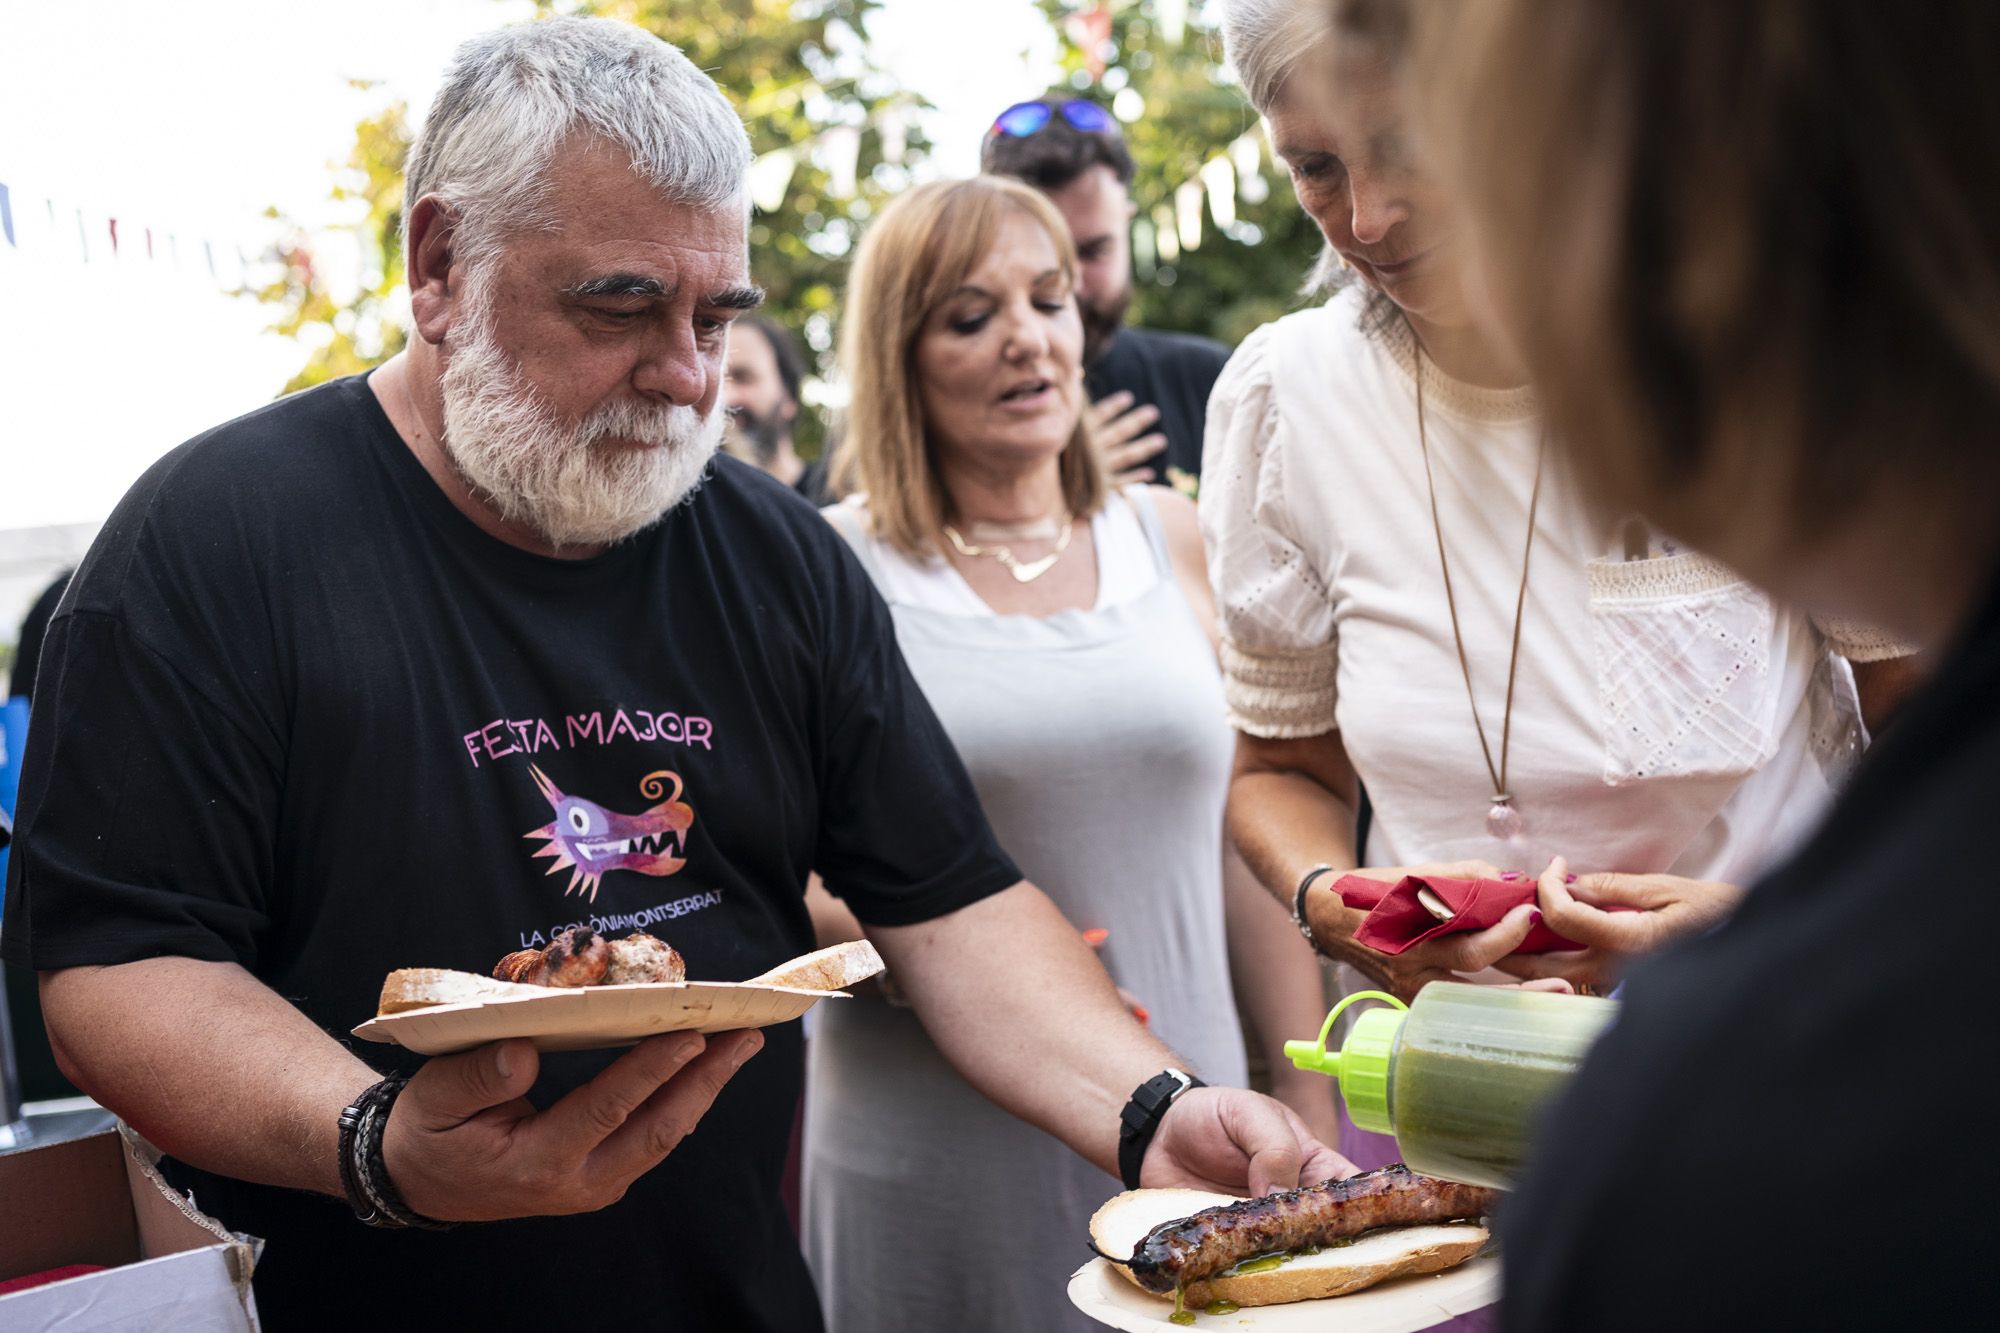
[[767, 371], [329, 663], [1061, 627], [1750, 255], [1415, 601], [1148, 388]]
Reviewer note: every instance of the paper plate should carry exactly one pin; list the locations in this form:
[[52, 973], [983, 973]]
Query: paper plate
[[589, 1017], [1393, 1307]]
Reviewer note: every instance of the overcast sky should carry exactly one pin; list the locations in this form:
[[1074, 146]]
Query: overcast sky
[[192, 118]]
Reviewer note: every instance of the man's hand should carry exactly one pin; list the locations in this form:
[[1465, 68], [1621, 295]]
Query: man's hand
[[464, 1145], [1230, 1141], [1118, 428], [1446, 958]]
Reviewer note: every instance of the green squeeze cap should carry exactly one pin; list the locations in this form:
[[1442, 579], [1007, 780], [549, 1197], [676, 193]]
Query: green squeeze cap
[[1362, 1063]]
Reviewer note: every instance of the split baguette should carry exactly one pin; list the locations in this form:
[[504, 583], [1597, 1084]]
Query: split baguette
[[835, 968], [1124, 1221], [422, 987]]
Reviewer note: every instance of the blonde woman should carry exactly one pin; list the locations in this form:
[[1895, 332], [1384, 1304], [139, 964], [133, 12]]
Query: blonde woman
[[1061, 630]]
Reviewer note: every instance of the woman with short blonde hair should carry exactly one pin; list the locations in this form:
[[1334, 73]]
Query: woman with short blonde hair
[[1060, 630]]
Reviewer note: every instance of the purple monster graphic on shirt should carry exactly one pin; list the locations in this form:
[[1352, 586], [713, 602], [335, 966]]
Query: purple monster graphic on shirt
[[590, 841]]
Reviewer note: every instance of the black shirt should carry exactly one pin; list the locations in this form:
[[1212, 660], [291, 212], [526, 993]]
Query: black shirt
[[1172, 371], [1790, 1126], [812, 484], [301, 714]]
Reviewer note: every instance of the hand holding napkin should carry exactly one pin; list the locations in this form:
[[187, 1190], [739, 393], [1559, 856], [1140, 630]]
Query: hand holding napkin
[[1397, 920]]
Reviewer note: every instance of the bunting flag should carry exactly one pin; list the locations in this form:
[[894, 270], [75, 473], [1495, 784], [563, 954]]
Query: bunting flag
[[1091, 31], [130, 242]]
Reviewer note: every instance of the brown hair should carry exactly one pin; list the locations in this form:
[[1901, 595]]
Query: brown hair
[[1057, 153], [917, 252], [1750, 251]]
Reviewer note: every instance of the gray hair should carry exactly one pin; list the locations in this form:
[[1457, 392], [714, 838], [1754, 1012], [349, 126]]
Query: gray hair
[[513, 96], [1263, 39]]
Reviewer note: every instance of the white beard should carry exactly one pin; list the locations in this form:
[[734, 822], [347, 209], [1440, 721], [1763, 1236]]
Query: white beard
[[554, 477]]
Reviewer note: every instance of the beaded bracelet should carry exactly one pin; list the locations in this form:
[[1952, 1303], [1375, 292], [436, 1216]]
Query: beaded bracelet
[[363, 1174], [1299, 902]]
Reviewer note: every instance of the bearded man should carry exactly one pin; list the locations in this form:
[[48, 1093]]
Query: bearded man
[[339, 672], [1148, 388], [767, 371]]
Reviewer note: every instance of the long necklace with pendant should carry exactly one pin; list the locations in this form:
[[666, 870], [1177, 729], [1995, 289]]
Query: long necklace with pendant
[[1503, 819], [1024, 571]]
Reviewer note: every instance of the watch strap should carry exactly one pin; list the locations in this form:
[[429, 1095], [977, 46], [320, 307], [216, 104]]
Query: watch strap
[[1140, 1120]]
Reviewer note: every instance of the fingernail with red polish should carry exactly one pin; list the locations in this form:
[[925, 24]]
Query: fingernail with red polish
[[1535, 918], [1139, 1012], [1569, 879], [1510, 875]]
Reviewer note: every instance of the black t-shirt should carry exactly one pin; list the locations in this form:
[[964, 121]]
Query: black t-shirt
[[1790, 1126], [1172, 371], [301, 714], [812, 484]]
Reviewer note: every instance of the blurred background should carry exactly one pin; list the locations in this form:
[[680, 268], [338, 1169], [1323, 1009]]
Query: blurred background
[[201, 199]]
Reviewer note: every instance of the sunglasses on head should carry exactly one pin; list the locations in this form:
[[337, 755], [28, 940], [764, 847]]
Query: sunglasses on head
[[1026, 118]]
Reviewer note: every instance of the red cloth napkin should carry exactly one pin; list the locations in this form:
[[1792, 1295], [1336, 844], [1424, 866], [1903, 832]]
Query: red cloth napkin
[[44, 1278], [1396, 920]]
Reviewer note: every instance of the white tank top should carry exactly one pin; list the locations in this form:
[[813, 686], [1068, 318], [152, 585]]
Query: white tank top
[[1126, 570]]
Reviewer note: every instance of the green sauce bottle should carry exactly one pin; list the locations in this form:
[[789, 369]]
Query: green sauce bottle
[[1459, 1076]]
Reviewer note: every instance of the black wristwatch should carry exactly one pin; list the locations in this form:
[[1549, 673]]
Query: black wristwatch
[[1140, 1119]]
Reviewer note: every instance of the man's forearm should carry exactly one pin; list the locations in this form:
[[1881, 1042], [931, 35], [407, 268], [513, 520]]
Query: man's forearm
[[1022, 1008], [208, 1063]]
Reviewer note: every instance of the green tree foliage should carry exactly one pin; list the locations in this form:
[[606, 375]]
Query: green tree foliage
[[799, 74], [1188, 114], [366, 328]]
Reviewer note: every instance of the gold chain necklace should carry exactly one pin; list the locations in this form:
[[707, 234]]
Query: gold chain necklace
[[1024, 571], [1503, 820]]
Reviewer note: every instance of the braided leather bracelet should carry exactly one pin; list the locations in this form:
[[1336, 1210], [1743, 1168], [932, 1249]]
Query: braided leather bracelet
[[363, 1175]]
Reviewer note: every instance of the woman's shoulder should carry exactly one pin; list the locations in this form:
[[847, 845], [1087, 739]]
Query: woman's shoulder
[[1267, 368], [1180, 520]]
